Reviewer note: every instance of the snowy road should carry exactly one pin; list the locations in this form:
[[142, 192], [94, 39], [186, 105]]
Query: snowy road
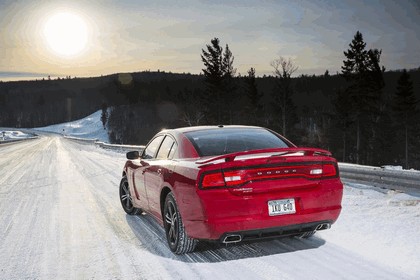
[[60, 218]]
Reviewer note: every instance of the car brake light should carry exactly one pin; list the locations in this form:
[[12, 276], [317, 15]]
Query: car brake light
[[213, 180], [220, 179], [329, 170]]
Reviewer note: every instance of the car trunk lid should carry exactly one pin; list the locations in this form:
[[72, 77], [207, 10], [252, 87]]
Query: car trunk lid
[[265, 170]]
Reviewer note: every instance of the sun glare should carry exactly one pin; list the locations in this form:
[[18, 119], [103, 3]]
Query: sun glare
[[66, 34]]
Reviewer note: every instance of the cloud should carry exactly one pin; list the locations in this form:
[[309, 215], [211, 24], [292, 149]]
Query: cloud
[[130, 35]]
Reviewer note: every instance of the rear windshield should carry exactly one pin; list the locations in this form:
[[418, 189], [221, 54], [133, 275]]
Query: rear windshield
[[230, 140]]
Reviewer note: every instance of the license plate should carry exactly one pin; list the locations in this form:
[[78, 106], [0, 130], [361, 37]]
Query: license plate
[[281, 207]]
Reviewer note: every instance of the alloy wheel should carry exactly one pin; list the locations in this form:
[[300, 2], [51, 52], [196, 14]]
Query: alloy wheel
[[125, 196], [171, 220]]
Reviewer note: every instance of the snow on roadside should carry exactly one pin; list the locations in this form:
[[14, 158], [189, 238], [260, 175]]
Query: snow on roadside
[[391, 168], [89, 127], [384, 227], [13, 134]]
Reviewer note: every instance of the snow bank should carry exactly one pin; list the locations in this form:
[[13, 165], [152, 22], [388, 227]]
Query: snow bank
[[6, 135], [368, 167], [89, 127], [383, 226], [392, 167]]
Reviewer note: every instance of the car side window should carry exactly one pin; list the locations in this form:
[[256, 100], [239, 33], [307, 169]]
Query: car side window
[[165, 148], [150, 150], [173, 149]]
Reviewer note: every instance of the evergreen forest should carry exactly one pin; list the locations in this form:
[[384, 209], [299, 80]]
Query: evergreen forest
[[363, 114]]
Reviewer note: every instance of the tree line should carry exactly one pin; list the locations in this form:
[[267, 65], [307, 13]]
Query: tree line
[[364, 114], [363, 122]]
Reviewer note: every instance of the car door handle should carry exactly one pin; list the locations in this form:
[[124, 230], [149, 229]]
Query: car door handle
[[159, 171]]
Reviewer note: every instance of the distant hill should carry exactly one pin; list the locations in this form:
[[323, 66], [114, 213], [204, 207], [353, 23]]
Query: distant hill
[[46, 102], [142, 103]]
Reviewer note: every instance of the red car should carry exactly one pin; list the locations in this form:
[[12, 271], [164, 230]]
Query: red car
[[231, 183]]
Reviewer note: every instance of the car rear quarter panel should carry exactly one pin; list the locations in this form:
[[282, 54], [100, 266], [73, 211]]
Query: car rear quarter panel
[[184, 182]]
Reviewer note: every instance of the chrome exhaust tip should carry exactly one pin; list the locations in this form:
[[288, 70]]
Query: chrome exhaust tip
[[232, 238], [323, 226]]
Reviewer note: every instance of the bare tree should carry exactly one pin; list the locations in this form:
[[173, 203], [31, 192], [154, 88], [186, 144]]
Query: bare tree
[[193, 119], [283, 70]]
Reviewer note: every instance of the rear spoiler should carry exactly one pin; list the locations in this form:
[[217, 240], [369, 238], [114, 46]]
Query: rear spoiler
[[279, 151]]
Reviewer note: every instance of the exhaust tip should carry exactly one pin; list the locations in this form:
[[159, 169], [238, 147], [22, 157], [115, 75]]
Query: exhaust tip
[[323, 226], [232, 238]]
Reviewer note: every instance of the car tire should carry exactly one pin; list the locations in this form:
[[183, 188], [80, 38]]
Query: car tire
[[126, 199], [177, 238]]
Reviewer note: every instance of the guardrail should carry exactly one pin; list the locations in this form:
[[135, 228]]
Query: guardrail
[[115, 147], [10, 141], [406, 180]]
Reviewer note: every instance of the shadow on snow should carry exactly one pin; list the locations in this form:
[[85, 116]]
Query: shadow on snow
[[151, 236]]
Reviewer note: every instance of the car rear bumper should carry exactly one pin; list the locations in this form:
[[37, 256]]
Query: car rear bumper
[[225, 213], [292, 230], [271, 226]]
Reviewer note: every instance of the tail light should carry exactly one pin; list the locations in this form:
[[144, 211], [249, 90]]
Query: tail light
[[238, 177], [213, 180]]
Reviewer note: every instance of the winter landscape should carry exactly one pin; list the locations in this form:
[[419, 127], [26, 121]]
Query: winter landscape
[[84, 82], [67, 222]]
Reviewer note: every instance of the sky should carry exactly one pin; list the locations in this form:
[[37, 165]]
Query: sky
[[100, 37]]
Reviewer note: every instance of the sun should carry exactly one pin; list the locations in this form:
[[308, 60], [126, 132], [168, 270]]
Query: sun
[[66, 34]]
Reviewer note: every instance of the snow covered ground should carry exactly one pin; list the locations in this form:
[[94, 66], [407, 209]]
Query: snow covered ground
[[61, 218], [6, 134], [89, 127], [380, 225]]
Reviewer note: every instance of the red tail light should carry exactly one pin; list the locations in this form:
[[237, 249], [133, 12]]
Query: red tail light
[[241, 176], [213, 180], [329, 170]]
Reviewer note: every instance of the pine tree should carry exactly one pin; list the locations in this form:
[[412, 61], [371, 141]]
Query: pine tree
[[213, 76], [229, 89], [254, 97], [220, 87], [227, 63], [355, 64], [364, 75], [380, 129], [212, 59], [353, 71], [405, 112]]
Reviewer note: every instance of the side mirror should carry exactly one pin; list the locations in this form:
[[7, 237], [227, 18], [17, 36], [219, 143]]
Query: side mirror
[[133, 155]]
